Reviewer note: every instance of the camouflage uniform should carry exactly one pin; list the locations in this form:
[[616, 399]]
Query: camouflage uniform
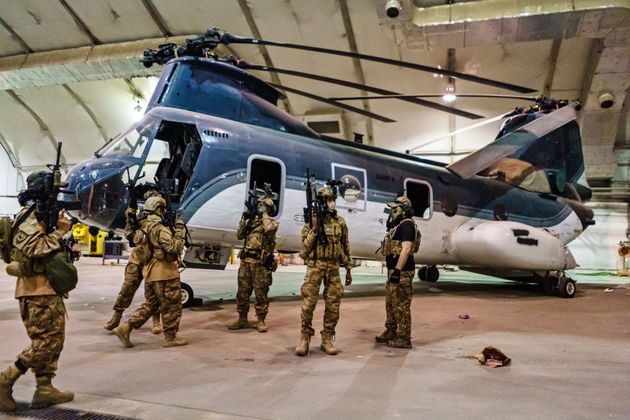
[[323, 262], [399, 282], [133, 276], [253, 275], [161, 274], [42, 311]]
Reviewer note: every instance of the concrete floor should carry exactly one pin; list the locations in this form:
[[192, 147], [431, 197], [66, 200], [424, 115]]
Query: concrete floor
[[571, 357]]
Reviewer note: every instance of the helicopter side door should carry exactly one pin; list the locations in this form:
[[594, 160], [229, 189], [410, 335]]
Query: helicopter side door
[[265, 171]]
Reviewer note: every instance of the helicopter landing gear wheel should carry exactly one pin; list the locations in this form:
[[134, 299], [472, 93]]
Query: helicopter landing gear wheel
[[566, 287], [187, 295], [429, 273]]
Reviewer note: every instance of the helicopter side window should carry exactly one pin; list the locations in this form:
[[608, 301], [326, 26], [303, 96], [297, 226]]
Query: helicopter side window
[[157, 161], [421, 197], [267, 171]]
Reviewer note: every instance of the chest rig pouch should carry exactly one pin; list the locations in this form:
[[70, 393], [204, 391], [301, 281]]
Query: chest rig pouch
[[255, 242], [391, 246], [331, 250]]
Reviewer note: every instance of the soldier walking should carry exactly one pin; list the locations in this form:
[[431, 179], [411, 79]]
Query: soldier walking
[[401, 242], [254, 274], [323, 259], [161, 273], [41, 308], [133, 270]]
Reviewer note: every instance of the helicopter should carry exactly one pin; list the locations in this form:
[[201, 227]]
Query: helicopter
[[213, 130]]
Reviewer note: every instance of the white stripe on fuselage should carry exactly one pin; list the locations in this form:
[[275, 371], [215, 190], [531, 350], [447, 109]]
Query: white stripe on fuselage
[[216, 221]]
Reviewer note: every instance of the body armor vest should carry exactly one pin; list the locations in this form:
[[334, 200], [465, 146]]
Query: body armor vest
[[393, 247]]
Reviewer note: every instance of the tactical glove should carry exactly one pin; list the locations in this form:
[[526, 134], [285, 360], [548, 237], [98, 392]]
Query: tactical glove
[[395, 277], [246, 214]]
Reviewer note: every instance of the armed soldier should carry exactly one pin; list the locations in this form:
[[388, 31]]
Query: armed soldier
[[324, 256], [133, 270], [401, 242], [161, 274], [258, 230], [41, 307]]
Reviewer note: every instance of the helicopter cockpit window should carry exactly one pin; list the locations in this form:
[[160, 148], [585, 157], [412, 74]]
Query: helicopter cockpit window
[[157, 163], [133, 142], [419, 193]]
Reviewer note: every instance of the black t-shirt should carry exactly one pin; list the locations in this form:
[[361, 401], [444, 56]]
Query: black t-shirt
[[405, 232]]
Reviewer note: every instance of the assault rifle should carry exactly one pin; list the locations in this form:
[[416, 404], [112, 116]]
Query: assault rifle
[[314, 208], [166, 187], [250, 204]]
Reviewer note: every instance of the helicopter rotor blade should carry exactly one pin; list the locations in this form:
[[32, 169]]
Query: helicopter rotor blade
[[406, 96], [413, 150], [247, 66], [333, 103], [227, 38]]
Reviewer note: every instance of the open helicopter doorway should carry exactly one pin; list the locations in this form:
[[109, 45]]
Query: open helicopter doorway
[[421, 197], [265, 171], [172, 157]]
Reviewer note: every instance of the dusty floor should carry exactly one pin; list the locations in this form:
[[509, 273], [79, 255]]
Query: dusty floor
[[571, 357]]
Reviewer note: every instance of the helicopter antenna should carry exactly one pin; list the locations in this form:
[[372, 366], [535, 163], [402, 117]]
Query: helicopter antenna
[[440, 95]]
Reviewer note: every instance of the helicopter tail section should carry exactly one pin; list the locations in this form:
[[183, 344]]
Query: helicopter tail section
[[537, 152]]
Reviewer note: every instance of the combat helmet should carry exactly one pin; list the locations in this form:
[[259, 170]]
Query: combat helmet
[[153, 204], [267, 201], [402, 202], [325, 192], [151, 193], [37, 181]]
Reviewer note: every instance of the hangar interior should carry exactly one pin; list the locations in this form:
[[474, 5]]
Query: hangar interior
[[70, 73]]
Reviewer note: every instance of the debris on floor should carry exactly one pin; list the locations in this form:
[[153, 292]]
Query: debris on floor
[[608, 290], [464, 316], [493, 357]]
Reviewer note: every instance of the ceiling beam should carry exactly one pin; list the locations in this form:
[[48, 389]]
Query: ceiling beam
[[134, 89], [15, 36], [15, 161], [79, 22], [88, 111], [42, 125], [157, 17], [358, 69], [119, 60], [263, 49], [553, 61]]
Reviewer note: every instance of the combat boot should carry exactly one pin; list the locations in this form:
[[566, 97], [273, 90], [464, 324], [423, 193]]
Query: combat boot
[[46, 395], [157, 325], [7, 379], [327, 345], [115, 321], [260, 325], [388, 335], [303, 346], [171, 340], [240, 323], [400, 343], [123, 332]]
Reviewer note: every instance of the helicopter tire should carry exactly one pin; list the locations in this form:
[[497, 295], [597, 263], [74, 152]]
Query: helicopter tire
[[566, 287], [188, 296], [433, 274], [550, 284], [422, 273]]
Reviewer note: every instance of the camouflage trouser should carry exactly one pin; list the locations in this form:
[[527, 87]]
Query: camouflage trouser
[[398, 304], [45, 320], [160, 297], [253, 277], [333, 292], [133, 278]]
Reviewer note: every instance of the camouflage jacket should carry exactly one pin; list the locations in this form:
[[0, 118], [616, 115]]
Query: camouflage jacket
[[261, 240], [140, 253], [30, 244], [166, 250], [335, 252]]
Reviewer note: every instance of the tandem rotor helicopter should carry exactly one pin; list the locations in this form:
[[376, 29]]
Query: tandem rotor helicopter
[[212, 131]]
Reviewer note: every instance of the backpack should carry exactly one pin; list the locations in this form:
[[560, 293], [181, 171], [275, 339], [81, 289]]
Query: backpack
[[6, 225], [61, 273]]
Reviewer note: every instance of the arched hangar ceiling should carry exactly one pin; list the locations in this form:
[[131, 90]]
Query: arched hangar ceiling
[[69, 69]]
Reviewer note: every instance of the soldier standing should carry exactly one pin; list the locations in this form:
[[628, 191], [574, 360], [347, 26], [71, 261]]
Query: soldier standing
[[400, 244], [41, 308], [323, 261], [163, 294], [254, 274], [133, 271]]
